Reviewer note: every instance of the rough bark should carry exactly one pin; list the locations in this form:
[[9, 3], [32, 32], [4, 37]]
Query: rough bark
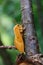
[[30, 38]]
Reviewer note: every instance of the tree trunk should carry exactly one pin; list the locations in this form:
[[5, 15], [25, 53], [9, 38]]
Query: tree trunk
[[30, 37]]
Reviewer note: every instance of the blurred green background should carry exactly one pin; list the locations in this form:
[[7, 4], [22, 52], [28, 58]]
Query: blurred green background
[[10, 14]]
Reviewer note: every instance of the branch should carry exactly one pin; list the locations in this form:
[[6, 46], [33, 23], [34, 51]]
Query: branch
[[7, 47], [5, 55]]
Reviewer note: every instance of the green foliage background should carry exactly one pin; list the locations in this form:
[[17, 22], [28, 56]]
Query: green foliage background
[[10, 14]]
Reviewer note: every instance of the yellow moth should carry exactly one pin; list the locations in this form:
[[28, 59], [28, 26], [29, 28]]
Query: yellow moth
[[18, 41]]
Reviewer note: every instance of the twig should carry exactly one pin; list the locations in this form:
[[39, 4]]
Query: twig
[[7, 47]]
